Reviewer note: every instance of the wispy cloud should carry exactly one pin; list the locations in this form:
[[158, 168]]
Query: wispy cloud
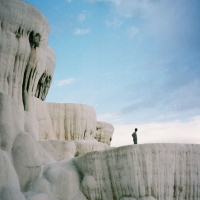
[[79, 31], [114, 1], [167, 77], [63, 82], [168, 132], [81, 17], [164, 91], [132, 31], [114, 117], [126, 8], [68, 1], [115, 23]]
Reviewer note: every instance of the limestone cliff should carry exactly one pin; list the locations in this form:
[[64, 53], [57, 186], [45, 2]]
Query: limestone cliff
[[27, 63], [104, 132], [135, 172], [68, 119]]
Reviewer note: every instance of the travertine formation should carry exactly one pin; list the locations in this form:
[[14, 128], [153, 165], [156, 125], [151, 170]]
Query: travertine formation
[[61, 150], [51, 151], [140, 172], [104, 132], [27, 63], [73, 121], [67, 121]]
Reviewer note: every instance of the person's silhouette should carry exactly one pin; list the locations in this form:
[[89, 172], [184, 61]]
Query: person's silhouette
[[134, 135]]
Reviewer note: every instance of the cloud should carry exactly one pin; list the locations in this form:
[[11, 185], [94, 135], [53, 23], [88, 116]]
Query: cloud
[[81, 17], [126, 8], [175, 24], [132, 31], [171, 91], [115, 23], [68, 1], [79, 31], [63, 82], [168, 132], [117, 2], [109, 116], [165, 77]]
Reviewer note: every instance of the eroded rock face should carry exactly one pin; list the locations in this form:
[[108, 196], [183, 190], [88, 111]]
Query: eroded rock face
[[9, 193], [9, 183], [24, 57], [61, 150], [26, 62], [11, 121], [104, 132], [45, 125], [8, 176], [135, 172], [26, 70], [160, 171], [72, 121], [28, 159], [54, 182], [43, 86], [67, 122]]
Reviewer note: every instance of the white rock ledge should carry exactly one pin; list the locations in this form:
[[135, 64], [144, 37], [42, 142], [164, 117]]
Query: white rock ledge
[[104, 132], [141, 172]]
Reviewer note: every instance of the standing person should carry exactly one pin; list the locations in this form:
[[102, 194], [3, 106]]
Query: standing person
[[134, 135]]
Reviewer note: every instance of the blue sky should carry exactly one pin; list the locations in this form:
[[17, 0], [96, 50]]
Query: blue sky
[[137, 62]]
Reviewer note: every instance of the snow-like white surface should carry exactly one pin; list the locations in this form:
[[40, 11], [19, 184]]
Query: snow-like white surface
[[22, 62]]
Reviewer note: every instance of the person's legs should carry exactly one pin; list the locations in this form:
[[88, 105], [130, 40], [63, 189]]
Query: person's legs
[[135, 141]]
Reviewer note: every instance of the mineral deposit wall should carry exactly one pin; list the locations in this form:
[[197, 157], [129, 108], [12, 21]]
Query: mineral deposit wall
[[135, 172], [26, 61]]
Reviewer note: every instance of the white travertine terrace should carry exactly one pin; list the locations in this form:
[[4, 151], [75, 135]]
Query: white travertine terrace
[[26, 62], [65, 121], [9, 183], [61, 150], [51, 151], [135, 172], [72, 121], [104, 132]]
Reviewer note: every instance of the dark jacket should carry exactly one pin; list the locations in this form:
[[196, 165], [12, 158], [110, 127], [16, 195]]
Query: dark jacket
[[134, 135]]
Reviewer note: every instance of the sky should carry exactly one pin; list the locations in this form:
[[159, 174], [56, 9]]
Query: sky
[[137, 62]]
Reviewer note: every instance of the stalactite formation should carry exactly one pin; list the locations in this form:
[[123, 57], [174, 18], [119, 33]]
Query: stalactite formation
[[29, 78], [24, 52], [43, 86]]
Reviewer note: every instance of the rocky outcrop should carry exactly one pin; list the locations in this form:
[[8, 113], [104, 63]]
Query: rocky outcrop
[[72, 121], [135, 172], [26, 62], [26, 70], [45, 126], [28, 158], [61, 150], [65, 121], [104, 132]]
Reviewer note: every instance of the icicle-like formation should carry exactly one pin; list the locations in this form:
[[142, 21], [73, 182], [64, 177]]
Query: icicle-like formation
[[25, 57]]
